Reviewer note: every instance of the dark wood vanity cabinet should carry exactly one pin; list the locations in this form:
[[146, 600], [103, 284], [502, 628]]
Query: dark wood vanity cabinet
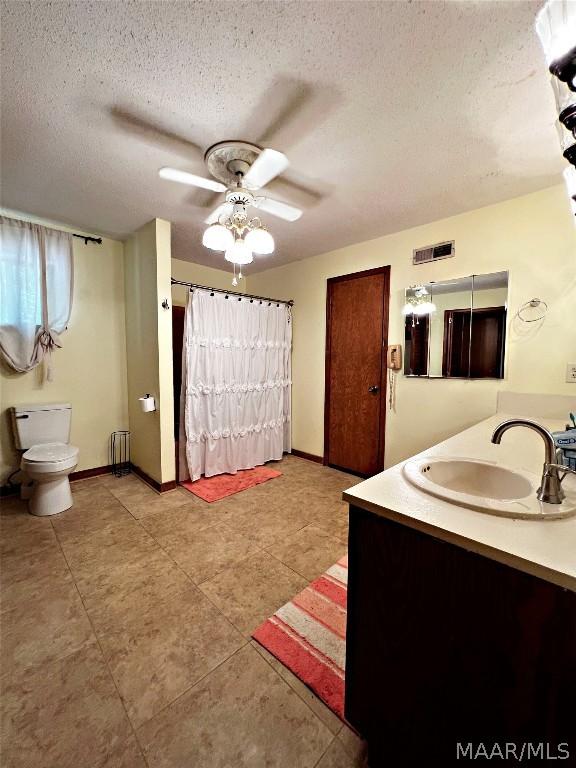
[[445, 646]]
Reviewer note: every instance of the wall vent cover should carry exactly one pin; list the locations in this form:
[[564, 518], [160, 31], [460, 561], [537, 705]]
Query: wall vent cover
[[433, 252]]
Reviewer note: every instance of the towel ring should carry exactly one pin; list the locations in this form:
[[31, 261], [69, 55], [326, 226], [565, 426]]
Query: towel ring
[[532, 304]]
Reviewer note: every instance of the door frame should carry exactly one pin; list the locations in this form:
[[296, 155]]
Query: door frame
[[330, 283]]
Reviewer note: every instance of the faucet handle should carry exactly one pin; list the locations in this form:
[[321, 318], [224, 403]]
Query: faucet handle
[[561, 468]]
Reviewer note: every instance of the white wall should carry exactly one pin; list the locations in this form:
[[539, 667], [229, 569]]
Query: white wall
[[533, 237], [90, 369]]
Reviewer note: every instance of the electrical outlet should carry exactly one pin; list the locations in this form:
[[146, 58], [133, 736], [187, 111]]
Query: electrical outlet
[[571, 373]]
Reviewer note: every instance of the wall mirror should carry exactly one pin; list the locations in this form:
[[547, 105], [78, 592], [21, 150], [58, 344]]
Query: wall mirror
[[456, 328]]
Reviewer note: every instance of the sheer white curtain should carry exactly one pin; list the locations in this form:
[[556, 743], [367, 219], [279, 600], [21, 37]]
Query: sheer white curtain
[[36, 283], [236, 384]]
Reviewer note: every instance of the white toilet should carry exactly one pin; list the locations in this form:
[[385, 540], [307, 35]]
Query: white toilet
[[43, 431]]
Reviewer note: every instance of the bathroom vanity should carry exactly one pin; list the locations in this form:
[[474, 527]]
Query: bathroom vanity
[[461, 623]]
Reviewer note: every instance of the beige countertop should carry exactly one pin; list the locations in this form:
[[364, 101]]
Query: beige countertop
[[543, 548]]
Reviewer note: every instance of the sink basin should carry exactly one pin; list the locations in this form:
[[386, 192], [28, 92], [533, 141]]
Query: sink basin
[[486, 487]]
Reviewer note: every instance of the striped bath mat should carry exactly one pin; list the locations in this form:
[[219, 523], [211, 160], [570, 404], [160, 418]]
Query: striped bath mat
[[308, 635]]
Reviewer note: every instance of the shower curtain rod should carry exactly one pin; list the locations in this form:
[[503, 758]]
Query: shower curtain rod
[[290, 302], [88, 239]]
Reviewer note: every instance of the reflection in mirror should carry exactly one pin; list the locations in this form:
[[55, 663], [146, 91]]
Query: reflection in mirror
[[456, 328]]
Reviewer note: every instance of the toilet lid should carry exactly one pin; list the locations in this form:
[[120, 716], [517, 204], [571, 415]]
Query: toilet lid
[[51, 452]]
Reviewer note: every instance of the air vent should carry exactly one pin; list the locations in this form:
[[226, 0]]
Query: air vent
[[433, 252]]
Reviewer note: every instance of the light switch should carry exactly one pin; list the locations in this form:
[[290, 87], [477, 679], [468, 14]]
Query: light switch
[[571, 373]]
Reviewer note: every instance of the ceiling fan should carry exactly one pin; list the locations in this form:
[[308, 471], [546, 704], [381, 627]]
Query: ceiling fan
[[240, 169]]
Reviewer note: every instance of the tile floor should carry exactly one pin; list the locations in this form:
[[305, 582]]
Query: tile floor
[[126, 621]]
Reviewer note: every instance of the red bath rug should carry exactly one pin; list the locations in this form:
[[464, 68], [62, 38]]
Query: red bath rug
[[218, 487], [308, 635]]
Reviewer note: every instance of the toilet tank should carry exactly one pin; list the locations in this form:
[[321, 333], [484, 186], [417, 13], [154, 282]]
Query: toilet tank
[[36, 424]]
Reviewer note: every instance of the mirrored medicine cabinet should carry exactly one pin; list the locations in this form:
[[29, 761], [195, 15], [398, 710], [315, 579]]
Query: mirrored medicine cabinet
[[456, 328]]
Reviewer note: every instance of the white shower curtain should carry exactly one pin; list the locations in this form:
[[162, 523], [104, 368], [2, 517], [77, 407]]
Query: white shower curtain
[[236, 384]]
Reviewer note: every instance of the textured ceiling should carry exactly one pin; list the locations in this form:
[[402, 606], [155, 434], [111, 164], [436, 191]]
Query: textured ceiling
[[392, 114]]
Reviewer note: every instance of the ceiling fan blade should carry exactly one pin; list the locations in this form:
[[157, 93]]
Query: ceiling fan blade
[[266, 167], [183, 177], [276, 208], [154, 133], [223, 210]]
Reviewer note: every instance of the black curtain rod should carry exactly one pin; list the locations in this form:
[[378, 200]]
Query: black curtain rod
[[87, 239], [290, 302]]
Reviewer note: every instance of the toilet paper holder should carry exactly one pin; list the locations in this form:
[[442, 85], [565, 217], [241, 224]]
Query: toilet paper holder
[[147, 403]]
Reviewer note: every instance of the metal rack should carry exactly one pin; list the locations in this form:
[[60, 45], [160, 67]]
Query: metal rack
[[120, 452]]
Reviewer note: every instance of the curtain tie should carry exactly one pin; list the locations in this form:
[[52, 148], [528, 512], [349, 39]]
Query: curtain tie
[[48, 340]]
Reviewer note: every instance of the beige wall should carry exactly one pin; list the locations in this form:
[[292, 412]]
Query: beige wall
[[90, 369], [198, 273], [149, 349], [533, 237]]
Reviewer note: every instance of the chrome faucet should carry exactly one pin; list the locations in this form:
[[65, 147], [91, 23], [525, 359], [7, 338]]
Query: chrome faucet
[[550, 491]]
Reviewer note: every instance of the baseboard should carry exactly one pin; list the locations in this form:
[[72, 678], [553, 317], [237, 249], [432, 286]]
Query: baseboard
[[307, 456], [84, 474], [160, 487]]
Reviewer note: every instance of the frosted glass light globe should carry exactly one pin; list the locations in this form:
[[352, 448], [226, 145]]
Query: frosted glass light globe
[[218, 238], [260, 241], [239, 253], [555, 25]]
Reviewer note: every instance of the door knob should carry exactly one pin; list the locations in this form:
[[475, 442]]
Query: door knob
[[374, 388]]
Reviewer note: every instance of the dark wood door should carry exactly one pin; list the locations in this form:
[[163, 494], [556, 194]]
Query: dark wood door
[[487, 343], [474, 343], [356, 339]]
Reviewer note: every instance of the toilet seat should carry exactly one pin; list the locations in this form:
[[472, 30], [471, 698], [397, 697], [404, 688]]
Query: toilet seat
[[50, 457]]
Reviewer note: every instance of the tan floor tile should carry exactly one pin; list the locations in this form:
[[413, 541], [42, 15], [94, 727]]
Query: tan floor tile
[[110, 546], [67, 715], [251, 591], [42, 630], [267, 523], [332, 519], [132, 585], [241, 715], [24, 533], [158, 654], [208, 551], [352, 743], [126, 755], [18, 566], [181, 523], [337, 757], [30, 578], [80, 521], [142, 505], [131, 488], [309, 551], [317, 706]]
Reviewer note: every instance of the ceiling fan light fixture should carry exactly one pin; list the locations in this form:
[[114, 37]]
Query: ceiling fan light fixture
[[239, 253], [260, 241], [217, 237]]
